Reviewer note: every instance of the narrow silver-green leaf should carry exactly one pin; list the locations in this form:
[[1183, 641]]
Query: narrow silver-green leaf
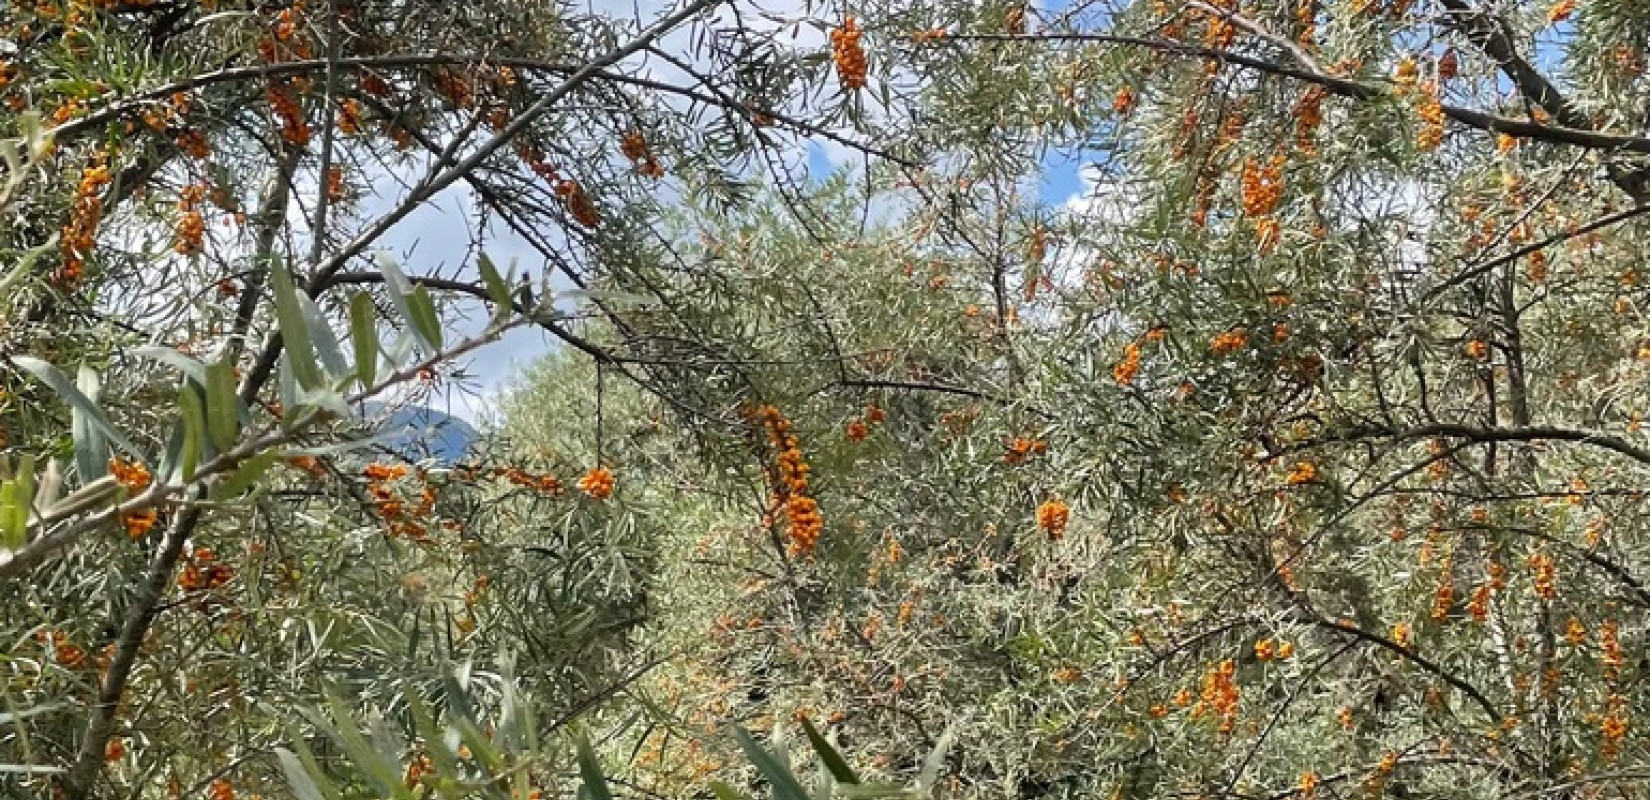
[[363, 334], [828, 755], [725, 792], [400, 291], [287, 391], [497, 287], [17, 505], [324, 399], [244, 476], [172, 458], [425, 318], [14, 516], [590, 770], [935, 762], [382, 769], [8, 717], [289, 314], [400, 350], [785, 785], [193, 420], [93, 419], [223, 406], [190, 367], [312, 767], [297, 777], [91, 443], [324, 338]]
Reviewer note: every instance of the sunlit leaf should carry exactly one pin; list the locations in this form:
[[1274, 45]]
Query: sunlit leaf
[[363, 334], [295, 328]]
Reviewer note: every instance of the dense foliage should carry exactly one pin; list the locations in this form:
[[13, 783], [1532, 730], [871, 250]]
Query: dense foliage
[[1295, 453]]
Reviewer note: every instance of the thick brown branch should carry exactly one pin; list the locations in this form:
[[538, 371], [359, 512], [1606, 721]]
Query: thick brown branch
[[1491, 36]]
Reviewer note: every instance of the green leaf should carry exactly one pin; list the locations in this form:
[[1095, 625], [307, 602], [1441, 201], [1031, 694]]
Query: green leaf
[[828, 755], [425, 318], [245, 475], [498, 287], [25, 265], [325, 339], [14, 527], [935, 762], [190, 367], [785, 785], [324, 399], [193, 420], [90, 422], [363, 333], [400, 350], [223, 406], [725, 792], [16, 496], [382, 769], [400, 291], [287, 390], [289, 314], [590, 770], [299, 778], [91, 443]]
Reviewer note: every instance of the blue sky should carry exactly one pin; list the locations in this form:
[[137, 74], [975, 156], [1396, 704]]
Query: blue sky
[[427, 240]]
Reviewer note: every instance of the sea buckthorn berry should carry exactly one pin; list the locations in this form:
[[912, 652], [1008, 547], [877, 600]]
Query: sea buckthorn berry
[[597, 483], [849, 55], [1053, 516]]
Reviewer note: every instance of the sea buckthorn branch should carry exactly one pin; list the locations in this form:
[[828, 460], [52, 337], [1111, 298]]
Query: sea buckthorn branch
[[323, 199], [1507, 229], [1407, 653], [1484, 32], [437, 181], [1478, 435], [89, 760], [1348, 88], [44, 542], [1283, 708], [1621, 574], [124, 107], [1483, 267], [1284, 43]]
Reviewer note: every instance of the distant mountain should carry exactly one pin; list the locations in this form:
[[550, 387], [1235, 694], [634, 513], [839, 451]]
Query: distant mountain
[[418, 433]]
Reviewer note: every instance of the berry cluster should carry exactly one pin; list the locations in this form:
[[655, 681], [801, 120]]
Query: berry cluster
[[203, 572], [579, 204], [1262, 185], [789, 480], [1053, 516], [402, 522], [85, 214], [860, 427], [190, 231], [598, 483], [851, 65], [283, 101], [634, 146]]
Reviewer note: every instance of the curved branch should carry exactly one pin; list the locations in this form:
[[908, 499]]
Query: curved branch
[[1410, 655], [1351, 89], [128, 105]]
